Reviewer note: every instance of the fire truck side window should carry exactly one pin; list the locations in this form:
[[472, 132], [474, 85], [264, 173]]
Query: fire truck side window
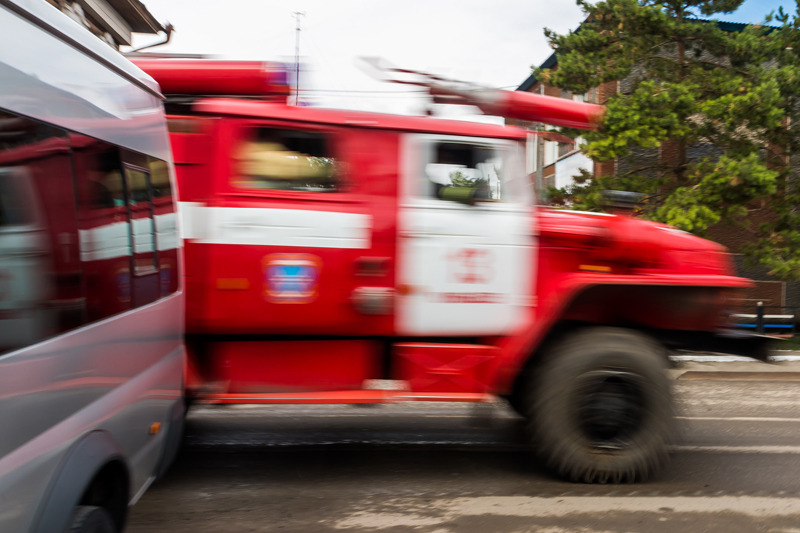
[[40, 270], [283, 159], [465, 172]]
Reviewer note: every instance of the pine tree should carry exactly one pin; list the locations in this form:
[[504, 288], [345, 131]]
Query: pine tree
[[726, 103]]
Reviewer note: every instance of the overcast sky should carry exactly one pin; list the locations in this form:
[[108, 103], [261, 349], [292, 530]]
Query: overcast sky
[[492, 42]]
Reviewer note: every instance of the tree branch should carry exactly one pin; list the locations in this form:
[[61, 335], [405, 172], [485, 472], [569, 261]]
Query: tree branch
[[639, 169]]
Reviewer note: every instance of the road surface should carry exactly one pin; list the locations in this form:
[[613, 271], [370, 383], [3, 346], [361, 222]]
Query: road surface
[[436, 468]]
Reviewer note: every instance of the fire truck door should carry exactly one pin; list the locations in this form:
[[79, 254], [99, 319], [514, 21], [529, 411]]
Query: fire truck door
[[465, 237], [284, 235]]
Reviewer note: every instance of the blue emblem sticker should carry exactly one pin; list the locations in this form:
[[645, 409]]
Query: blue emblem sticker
[[291, 278]]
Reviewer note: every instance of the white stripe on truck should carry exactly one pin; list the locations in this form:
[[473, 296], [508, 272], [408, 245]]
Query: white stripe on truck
[[274, 227]]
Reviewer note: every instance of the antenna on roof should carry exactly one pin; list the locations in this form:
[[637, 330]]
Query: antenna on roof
[[297, 15]]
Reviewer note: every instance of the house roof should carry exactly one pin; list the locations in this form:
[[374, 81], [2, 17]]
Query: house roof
[[137, 16], [552, 61]]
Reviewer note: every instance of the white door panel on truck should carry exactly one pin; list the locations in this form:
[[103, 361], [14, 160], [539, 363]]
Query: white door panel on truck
[[465, 263]]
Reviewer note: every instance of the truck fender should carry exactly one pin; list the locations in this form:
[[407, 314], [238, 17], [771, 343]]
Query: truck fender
[[78, 468]]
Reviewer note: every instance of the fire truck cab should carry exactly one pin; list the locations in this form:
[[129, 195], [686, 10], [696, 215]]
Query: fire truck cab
[[347, 257]]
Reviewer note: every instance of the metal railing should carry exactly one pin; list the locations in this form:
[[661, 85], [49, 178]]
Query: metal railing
[[773, 320]]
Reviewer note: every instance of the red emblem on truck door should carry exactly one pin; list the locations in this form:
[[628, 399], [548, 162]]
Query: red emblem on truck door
[[471, 265]]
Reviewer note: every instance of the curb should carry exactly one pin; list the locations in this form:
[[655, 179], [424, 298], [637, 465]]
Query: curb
[[781, 366], [715, 375], [778, 357]]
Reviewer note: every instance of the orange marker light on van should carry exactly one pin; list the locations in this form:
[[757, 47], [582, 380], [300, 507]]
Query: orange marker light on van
[[154, 427]]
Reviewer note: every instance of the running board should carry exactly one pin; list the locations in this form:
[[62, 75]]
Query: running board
[[344, 397]]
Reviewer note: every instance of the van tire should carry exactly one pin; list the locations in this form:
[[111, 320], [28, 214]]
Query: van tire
[[91, 519], [600, 407]]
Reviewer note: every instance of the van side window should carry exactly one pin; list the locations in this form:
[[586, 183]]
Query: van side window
[[139, 193], [87, 231], [140, 210], [40, 269], [105, 242], [166, 227], [284, 159], [14, 210]]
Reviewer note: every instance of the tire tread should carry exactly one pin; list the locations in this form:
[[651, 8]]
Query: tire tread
[[555, 439]]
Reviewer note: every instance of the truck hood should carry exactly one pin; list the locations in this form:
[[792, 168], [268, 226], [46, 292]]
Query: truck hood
[[632, 242]]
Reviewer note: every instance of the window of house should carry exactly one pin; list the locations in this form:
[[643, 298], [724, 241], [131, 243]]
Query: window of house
[[550, 153], [285, 159], [532, 153], [565, 148]]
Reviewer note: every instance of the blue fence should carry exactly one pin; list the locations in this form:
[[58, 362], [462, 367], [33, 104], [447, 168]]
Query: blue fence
[[774, 320]]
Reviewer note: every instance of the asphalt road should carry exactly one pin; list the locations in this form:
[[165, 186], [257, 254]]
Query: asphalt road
[[436, 468]]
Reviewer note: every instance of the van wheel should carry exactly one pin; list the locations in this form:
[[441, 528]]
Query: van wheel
[[601, 408], [91, 519]]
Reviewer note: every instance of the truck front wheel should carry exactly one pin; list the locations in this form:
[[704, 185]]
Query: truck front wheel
[[600, 406]]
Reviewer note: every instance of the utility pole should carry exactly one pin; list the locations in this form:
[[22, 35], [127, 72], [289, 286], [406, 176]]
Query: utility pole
[[297, 15]]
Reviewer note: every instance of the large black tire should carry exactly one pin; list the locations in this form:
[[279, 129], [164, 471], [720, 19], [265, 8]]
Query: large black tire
[[516, 401], [91, 519], [600, 406]]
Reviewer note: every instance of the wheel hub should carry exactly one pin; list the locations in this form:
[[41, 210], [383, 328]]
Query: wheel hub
[[611, 407]]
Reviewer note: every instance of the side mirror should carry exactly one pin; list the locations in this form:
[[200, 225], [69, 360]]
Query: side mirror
[[622, 202]]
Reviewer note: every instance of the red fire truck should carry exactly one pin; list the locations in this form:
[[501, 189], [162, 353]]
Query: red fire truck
[[347, 257]]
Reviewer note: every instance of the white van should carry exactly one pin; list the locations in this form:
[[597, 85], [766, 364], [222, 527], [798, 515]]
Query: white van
[[91, 307]]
